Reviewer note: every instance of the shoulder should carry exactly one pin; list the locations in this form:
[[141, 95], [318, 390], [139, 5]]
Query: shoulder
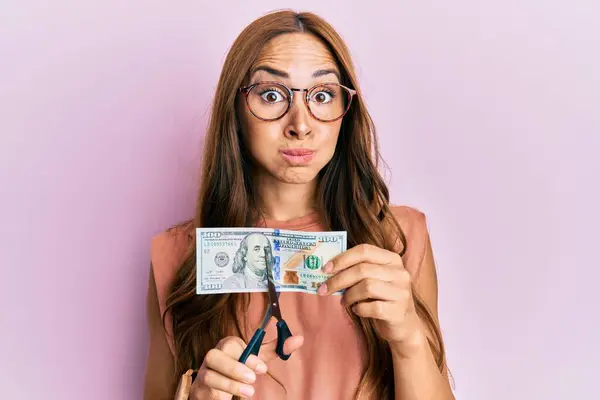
[[168, 250], [413, 223], [408, 216], [170, 246]]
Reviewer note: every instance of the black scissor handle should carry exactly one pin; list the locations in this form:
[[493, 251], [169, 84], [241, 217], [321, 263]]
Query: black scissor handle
[[283, 332], [253, 346]]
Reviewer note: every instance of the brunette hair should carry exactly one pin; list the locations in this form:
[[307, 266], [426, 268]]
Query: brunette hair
[[352, 197]]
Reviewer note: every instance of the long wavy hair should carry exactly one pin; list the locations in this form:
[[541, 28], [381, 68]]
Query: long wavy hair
[[352, 197]]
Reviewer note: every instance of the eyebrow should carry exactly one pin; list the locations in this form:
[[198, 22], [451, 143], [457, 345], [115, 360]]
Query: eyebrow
[[282, 74]]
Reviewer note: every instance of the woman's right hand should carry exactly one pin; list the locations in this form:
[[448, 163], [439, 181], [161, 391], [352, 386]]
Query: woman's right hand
[[221, 376]]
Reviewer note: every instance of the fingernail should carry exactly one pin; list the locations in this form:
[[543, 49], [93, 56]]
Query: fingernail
[[328, 267], [247, 390], [249, 376], [261, 368], [322, 289]]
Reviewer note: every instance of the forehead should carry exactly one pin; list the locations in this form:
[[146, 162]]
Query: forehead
[[297, 54], [254, 240]]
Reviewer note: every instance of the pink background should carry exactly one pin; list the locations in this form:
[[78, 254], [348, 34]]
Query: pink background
[[488, 114]]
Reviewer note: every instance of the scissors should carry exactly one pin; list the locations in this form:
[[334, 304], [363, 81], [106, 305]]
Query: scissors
[[273, 310]]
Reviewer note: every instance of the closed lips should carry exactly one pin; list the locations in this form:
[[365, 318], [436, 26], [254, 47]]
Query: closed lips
[[297, 152]]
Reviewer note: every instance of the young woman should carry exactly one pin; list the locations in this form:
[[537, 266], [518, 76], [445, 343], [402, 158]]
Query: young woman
[[291, 145]]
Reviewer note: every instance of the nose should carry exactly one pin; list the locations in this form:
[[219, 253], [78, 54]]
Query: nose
[[299, 118]]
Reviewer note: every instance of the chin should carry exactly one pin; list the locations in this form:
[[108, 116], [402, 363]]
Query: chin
[[296, 175]]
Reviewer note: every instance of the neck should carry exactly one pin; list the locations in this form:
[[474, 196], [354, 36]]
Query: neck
[[285, 201]]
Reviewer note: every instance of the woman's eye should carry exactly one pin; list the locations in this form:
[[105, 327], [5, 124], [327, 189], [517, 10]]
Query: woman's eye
[[272, 96], [322, 97]]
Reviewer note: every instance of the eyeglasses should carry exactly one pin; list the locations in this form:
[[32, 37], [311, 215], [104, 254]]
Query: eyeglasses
[[326, 102]]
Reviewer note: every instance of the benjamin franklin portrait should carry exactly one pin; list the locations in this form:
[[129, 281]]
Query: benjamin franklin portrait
[[250, 264]]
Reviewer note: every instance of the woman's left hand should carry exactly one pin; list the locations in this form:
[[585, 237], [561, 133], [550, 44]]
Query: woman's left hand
[[379, 287]]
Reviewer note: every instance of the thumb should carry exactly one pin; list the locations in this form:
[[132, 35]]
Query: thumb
[[267, 350]]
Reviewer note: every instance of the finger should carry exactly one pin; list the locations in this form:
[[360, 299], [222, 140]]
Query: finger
[[200, 393], [216, 381], [267, 350], [234, 347], [383, 310], [361, 253], [222, 363], [373, 289], [200, 390], [357, 273], [256, 364]]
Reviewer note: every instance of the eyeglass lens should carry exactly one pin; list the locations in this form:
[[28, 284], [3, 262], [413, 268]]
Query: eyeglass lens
[[270, 101]]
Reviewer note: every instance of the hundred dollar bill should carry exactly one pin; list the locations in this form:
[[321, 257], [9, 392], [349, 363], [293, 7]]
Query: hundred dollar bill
[[231, 260]]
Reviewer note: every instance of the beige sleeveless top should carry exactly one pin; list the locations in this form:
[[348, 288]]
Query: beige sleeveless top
[[330, 363]]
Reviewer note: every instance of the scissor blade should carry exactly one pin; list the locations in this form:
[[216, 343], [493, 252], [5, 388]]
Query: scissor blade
[[273, 295], [268, 315], [266, 318]]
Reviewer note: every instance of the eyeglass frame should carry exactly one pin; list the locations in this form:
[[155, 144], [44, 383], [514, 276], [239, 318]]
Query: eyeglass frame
[[246, 89]]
